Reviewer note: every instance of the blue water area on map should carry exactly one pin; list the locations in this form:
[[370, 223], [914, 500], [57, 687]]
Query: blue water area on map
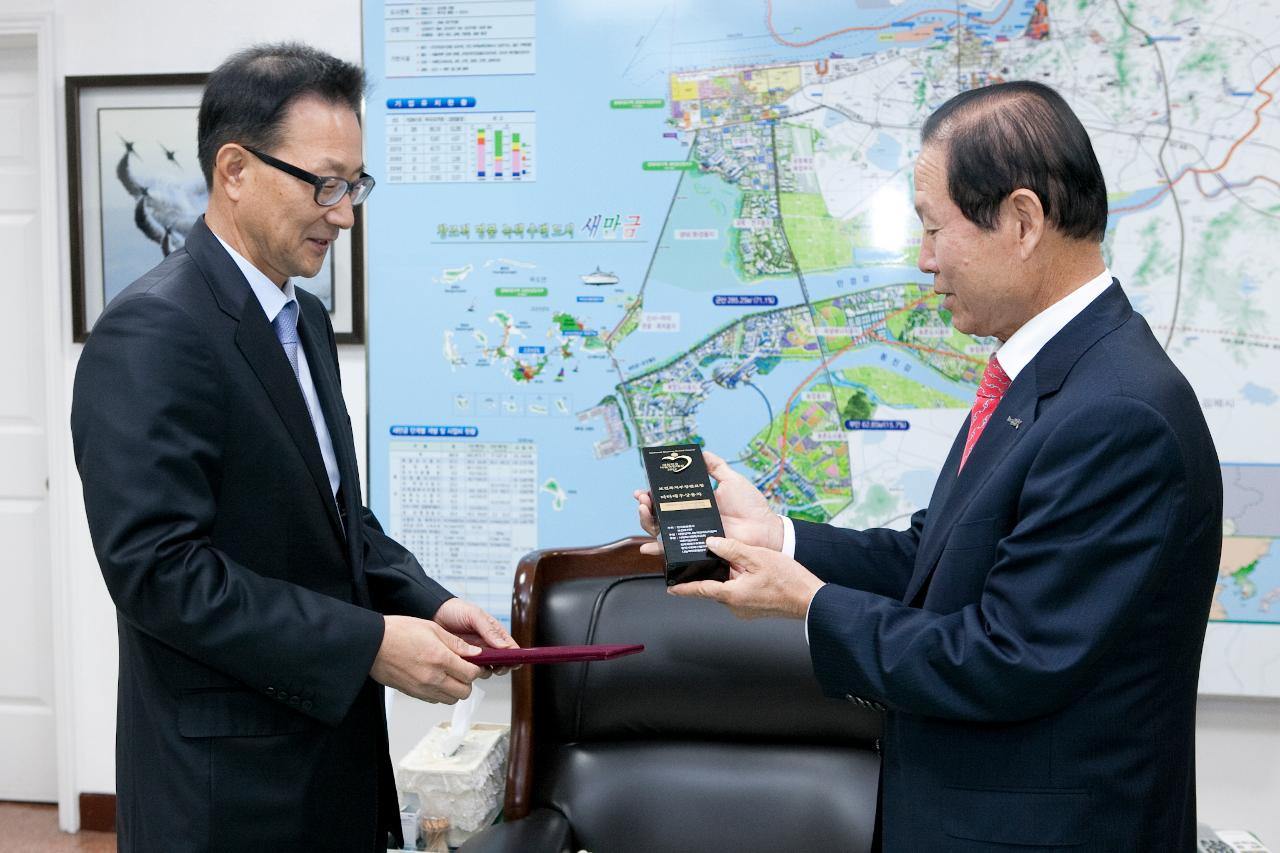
[[730, 418], [833, 118], [803, 22], [1139, 201], [705, 203], [904, 363], [1258, 394], [1258, 598], [885, 153]]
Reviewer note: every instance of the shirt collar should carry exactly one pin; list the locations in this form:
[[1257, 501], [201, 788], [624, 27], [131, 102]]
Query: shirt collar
[[270, 296], [1023, 345]]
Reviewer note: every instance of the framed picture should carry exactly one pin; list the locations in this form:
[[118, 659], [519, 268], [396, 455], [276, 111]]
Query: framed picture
[[136, 189]]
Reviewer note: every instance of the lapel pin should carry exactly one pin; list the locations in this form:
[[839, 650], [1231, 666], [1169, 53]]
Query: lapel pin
[[1014, 422]]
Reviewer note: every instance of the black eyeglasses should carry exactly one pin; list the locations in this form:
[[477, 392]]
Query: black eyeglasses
[[329, 188]]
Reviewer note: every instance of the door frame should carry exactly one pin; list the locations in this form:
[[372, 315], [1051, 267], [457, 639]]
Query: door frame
[[57, 349]]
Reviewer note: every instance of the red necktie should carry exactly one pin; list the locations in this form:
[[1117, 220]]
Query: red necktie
[[994, 383]]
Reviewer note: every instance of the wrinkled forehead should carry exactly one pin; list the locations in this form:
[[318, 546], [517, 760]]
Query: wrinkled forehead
[[931, 176]]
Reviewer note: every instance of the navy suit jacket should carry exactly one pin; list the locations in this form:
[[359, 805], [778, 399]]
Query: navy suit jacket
[[1036, 633], [248, 600]]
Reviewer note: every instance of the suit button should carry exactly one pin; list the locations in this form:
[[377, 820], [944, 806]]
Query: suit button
[[306, 704], [294, 700], [848, 697], [271, 691]]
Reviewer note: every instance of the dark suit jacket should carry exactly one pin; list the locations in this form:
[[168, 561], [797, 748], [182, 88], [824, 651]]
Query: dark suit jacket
[[248, 616], [1036, 633]]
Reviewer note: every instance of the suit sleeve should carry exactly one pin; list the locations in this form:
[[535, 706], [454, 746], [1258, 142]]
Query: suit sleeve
[[878, 560], [147, 425], [397, 582], [1098, 529]]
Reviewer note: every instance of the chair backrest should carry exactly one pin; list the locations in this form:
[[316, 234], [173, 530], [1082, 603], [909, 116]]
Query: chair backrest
[[715, 738]]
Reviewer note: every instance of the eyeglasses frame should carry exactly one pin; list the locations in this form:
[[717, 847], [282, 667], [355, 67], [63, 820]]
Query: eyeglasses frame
[[317, 181]]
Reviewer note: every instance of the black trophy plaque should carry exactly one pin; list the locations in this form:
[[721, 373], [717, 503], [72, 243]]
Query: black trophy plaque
[[685, 510]]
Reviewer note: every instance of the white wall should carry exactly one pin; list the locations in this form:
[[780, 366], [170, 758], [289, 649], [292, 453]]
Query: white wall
[[1238, 747], [1238, 765]]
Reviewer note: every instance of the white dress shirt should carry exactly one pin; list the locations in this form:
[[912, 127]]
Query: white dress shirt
[[1014, 355], [273, 299], [1024, 344]]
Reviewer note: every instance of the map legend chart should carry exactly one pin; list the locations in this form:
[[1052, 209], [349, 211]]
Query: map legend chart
[[468, 511], [459, 38], [428, 147]]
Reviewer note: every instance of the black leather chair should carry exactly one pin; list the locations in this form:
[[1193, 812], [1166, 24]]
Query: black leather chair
[[715, 738]]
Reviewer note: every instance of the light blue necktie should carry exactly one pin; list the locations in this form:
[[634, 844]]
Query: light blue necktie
[[286, 326]]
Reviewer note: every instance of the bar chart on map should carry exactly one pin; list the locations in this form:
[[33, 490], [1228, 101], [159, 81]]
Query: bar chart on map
[[426, 145]]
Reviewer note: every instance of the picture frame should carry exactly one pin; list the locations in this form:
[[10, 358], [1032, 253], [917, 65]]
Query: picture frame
[[136, 187]]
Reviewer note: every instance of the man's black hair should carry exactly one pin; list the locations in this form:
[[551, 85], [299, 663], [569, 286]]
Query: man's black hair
[[247, 96], [1021, 134]]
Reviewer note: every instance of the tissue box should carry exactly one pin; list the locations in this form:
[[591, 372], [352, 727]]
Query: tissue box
[[465, 787]]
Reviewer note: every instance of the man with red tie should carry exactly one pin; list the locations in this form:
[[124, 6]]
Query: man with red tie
[[1034, 637]]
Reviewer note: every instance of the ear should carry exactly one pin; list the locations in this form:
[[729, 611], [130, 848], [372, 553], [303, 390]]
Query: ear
[[1027, 215], [229, 170]]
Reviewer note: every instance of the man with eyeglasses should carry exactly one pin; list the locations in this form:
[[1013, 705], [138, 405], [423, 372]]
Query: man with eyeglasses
[[261, 608]]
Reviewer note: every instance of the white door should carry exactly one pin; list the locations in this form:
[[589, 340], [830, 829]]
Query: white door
[[28, 754]]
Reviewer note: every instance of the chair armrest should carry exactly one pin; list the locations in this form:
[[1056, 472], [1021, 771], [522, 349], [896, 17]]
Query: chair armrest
[[543, 831]]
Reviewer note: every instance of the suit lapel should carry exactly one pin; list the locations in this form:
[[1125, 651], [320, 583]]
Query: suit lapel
[[954, 493], [947, 479], [261, 348], [1012, 419], [328, 386], [312, 333], [258, 343]]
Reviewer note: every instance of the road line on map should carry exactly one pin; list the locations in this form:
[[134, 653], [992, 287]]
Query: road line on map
[[1177, 205], [639, 303], [780, 40]]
